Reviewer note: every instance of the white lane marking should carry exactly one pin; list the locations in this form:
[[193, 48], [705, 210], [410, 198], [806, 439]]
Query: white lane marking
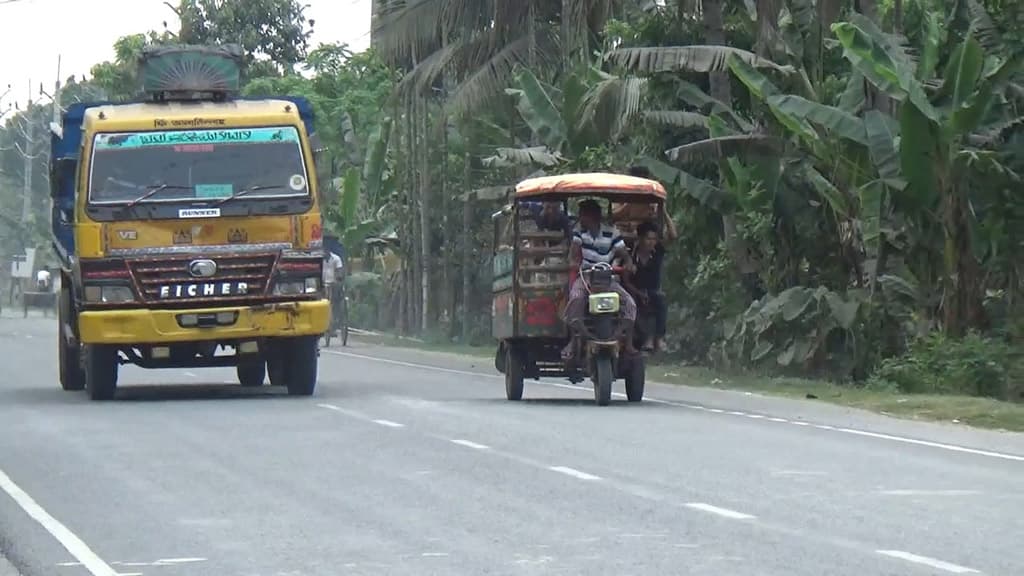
[[389, 424], [434, 554], [470, 444], [724, 512], [573, 472], [876, 435], [73, 544], [926, 561], [191, 374], [797, 473], [930, 492], [940, 445], [167, 561], [345, 411]]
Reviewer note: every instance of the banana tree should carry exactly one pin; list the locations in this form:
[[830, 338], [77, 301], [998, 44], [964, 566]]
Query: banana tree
[[936, 154]]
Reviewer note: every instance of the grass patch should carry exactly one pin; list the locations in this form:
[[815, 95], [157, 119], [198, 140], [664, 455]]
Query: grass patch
[[969, 410], [426, 345]]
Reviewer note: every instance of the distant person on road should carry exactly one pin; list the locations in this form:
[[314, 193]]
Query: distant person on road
[[43, 280], [334, 270]]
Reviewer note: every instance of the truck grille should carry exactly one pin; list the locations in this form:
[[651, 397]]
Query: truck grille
[[168, 280]]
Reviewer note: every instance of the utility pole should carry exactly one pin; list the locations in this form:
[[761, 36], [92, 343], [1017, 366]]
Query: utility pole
[[29, 133]]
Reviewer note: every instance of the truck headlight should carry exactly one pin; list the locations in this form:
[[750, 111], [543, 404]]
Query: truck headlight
[[112, 294], [604, 303], [292, 287]]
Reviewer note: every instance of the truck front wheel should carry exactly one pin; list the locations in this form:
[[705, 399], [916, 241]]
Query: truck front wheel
[[292, 363], [100, 366], [69, 357], [251, 373]]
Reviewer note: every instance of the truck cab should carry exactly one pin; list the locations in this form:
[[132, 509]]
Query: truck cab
[[188, 229]]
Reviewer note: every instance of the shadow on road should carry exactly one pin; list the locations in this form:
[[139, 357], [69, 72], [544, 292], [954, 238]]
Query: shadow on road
[[148, 393], [559, 402], [176, 392]]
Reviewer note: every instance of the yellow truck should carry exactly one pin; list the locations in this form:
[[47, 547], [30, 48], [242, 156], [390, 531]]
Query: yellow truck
[[188, 229]]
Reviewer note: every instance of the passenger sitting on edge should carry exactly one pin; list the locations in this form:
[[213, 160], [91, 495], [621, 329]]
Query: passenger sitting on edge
[[596, 242], [644, 281]]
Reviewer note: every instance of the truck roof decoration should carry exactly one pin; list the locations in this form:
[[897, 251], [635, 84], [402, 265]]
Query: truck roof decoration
[[183, 72]]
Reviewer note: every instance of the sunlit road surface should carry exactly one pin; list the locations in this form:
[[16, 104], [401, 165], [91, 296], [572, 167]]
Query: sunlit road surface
[[413, 463]]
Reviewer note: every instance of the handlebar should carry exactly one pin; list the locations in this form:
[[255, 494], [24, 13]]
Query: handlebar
[[602, 266]]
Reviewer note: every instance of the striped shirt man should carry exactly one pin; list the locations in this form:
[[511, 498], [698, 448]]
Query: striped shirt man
[[602, 246]]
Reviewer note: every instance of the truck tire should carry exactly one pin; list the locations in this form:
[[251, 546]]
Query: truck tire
[[292, 363], [101, 364], [301, 367], [251, 373], [69, 358]]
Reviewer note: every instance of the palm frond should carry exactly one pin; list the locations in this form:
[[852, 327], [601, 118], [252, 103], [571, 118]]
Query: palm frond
[[613, 103], [514, 157], [491, 73], [697, 58], [408, 28], [985, 30], [427, 71], [676, 118], [725, 146]]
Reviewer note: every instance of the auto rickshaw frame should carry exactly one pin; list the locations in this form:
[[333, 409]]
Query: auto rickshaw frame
[[531, 281]]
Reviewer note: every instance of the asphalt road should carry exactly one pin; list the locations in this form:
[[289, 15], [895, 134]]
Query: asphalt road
[[413, 463]]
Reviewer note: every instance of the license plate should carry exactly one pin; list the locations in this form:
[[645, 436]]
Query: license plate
[[204, 289]]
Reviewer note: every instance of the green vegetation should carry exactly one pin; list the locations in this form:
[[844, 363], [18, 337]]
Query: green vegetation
[[845, 176]]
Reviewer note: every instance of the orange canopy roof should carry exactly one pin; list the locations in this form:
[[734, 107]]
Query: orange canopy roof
[[614, 186]]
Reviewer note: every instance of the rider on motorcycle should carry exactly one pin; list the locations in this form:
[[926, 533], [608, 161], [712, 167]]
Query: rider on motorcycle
[[596, 242]]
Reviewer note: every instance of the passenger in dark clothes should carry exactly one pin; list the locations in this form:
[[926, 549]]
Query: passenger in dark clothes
[[644, 283]]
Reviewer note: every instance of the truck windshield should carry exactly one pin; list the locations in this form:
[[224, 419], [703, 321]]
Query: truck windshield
[[191, 165]]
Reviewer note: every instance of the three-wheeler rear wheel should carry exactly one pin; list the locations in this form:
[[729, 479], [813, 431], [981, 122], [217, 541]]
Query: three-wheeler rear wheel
[[636, 377], [513, 373]]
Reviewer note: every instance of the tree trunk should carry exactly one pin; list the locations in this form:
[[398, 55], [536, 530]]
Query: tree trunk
[[963, 308], [714, 34], [467, 240], [411, 236], [424, 209]]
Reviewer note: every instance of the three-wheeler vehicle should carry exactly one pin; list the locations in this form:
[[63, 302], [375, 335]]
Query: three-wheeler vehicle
[[532, 279]]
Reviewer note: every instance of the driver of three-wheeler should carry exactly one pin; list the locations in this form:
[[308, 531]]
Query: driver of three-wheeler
[[595, 242]]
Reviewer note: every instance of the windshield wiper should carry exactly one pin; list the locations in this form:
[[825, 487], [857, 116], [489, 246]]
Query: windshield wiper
[[152, 191], [245, 191]]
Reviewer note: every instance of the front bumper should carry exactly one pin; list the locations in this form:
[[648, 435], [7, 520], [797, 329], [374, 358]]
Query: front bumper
[[144, 326]]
